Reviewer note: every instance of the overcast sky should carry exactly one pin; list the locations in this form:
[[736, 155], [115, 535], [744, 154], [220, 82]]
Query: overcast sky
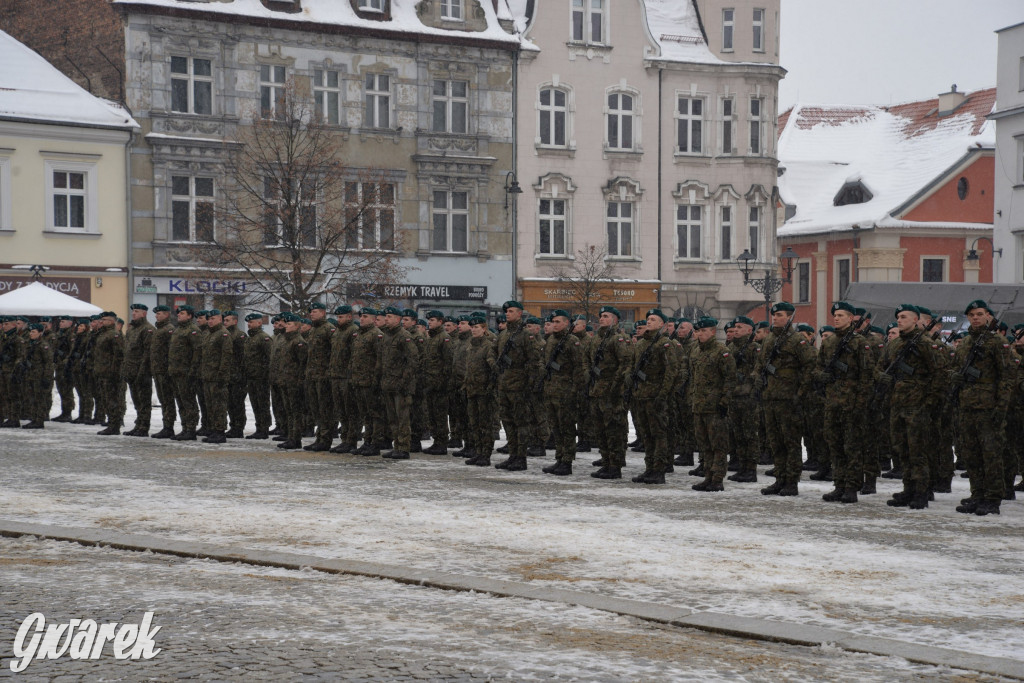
[[888, 51]]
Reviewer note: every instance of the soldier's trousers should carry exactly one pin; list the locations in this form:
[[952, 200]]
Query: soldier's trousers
[[185, 397], [141, 389], [279, 408], [398, 406], [712, 434], [783, 427], [480, 431], [66, 389], [743, 414], [813, 412], [981, 439], [321, 408], [687, 438], [216, 394], [293, 400], [562, 412], [515, 413], [100, 405], [417, 413], [259, 397], [907, 427], [113, 404], [457, 418], [344, 411], [437, 413], [843, 435], [35, 399], [610, 429], [236, 404], [165, 394], [6, 404], [652, 425], [540, 427], [369, 416], [83, 385], [204, 413]]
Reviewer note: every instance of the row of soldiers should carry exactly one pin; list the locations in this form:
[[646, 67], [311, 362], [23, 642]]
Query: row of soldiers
[[386, 378]]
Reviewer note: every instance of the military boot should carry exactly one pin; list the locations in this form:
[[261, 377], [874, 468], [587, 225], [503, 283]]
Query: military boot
[[790, 489], [734, 464], [583, 446], [967, 506], [63, 417], [342, 448], [698, 471], [396, 455], [869, 486], [34, 424], [654, 478], [415, 447], [639, 448], [834, 496], [536, 452], [134, 431], [745, 476], [189, 435], [919, 501], [504, 450], [894, 473], [436, 448], [987, 507], [503, 465], [290, 445], [702, 485], [204, 431], [164, 433], [823, 474], [597, 474], [773, 489], [684, 460], [560, 469], [639, 479], [516, 464], [1009, 494], [811, 465], [215, 436], [317, 446], [454, 443], [235, 433], [849, 496], [608, 473], [900, 499], [1020, 486], [112, 430], [259, 435]]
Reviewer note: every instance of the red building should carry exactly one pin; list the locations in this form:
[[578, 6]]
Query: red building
[[885, 194]]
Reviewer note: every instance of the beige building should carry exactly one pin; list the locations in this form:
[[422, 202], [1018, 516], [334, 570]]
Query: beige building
[[63, 183], [646, 130]]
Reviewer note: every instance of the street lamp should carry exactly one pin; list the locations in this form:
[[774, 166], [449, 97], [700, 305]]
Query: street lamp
[[972, 253], [511, 187], [769, 284]]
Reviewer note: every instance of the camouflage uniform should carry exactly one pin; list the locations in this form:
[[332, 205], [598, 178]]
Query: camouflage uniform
[[108, 355], [256, 353], [11, 355], [291, 360], [38, 379], [743, 409], [365, 377], [80, 374], [136, 370], [518, 363], [399, 362], [63, 345], [237, 418], [159, 354], [318, 381], [341, 390], [458, 419], [437, 366], [654, 353], [182, 366], [277, 402], [481, 363], [218, 357], [713, 377], [609, 360], [563, 375]]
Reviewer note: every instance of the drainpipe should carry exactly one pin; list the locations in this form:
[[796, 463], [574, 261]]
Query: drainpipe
[[660, 154], [128, 210], [515, 171]]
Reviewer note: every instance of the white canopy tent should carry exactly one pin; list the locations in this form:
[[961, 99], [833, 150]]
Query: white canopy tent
[[38, 299]]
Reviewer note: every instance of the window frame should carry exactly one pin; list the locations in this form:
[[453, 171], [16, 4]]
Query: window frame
[[728, 29], [450, 8], [274, 88], [754, 232], [90, 195], [192, 199], [803, 274], [552, 110], [371, 5], [316, 204], [619, 220], [378, 208], [690, 119], [6, 197], [943, 260], [326, 90], [724, 224], [450, 100], [620, 115], [377, 95], [758, 29], [449, 211], [587, 13], [552, 217], [756, 126], [686, 226], [839, 291], [192, 81], [727, 123]]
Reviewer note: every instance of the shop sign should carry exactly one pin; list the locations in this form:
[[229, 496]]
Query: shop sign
[[419, 292], [177, 285], [78, 287]]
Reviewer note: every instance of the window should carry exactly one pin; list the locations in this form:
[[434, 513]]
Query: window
[[689, 125], [451, 9], [803, 282], [327, 95], [620, 228], [588, 21], [552, 227], [933, 270], [688, 223], [371, 5], [191, 85], [962, 188], [72, 196], [728, 23], [758, 30], [191, 209], [378, 101], [1020, 161], [370, 215], [451, 221], [451, 105], [5, 194], [553, 115], [68, 199], [842, 277], [1020, 87], [755, 229], [725, 235], [291, 214], [620, 121], [727, 121], [271, 91], [756, 106]]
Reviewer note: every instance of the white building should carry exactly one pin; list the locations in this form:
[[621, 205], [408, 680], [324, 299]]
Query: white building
[[1008, 231]]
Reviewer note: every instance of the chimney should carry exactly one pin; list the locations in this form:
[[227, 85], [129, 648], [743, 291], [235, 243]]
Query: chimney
[[949, 101]]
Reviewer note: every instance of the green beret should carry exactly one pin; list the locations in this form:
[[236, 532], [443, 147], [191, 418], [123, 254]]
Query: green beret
[[846, 306], [1018, 326], [4, 319], [804, 327], [743, 319], [590, 328], [657, 312], [317, 305], [139, 307], [977, 303], [305, 321], [762, 325], [121, 321], [392, 310], [91, 317], [684, 320], [610, 309], [783, 306], [477, 320], [408, 313], [253, 316], [289, 317], [104, 314], [451, 319], [889, 327], [46, 318], [463, 318], [501, 318], [859, 311], [1003, 327], [728, 326], [227, 313], [560, 312], [826, 328], [161, 309], [876, 330], [422, 322], [38, 327], [512, 304], [534, 320], [638, 324], [908, 307], [78, 321], [436, 314], [579, 316], [212, 312], [343, 309], [366, 310], [706, 321], [925, 311]]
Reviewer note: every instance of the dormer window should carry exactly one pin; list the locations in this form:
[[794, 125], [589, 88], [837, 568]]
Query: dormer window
[[371, 5], [852, 193]]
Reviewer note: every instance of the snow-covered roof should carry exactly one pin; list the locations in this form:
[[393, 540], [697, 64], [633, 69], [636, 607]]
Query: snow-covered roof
[[340, 13], [893, 152], [676, 29], [33, 89]]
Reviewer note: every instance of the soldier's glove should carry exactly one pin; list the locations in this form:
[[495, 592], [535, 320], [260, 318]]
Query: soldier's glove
[[823, 377], [957, 379], [723, 410], [885, 380]]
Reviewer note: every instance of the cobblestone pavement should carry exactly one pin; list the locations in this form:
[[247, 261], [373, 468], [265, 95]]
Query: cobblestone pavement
[[230, 621]]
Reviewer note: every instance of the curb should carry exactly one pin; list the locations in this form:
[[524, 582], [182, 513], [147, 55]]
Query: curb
[[743, 627]]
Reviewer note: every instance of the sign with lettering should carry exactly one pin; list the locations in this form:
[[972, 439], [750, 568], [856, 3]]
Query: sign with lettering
[[78, 287], [419, 292], [180, 285]]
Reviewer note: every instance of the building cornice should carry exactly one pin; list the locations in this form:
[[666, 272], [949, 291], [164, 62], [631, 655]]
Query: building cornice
[[54, 130]]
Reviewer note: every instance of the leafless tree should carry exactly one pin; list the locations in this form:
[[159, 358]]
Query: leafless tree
[[298, 221], [587, 281]]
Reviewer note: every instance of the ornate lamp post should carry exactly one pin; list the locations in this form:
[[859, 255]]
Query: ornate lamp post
[[769, 284]]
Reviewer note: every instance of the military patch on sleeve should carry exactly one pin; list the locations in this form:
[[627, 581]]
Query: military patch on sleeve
[[725, 355], [803, 342]]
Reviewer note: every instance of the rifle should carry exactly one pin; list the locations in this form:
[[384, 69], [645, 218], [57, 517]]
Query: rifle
[[899, 364], [834, 363], [595, 368], [968, 371], [553, 365], [769, 369], [638, 375]]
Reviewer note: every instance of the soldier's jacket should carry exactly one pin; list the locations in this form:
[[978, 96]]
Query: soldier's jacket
[[850, 379], [238, 338], [341, 351], [608, 361], [438, 357], [792, 365], [654, 351], [38, 361], [713, 376], [460, 357], [563, 364], [218, 354], [366, 356], [183, 351], [256, 347], [278, 342], [62, 349], [12, 351], [744, 352], [108, 353], [919, 381], [399, 360], [990, 381], [318, 360], [481, 360], [204, 333], [160, 347], [519, 364], [292, 358], [421, 340], [138, 340]]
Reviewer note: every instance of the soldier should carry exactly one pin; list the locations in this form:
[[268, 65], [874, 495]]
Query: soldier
[[713, 376], [256, 357], [844, 370], [63, 345], [108, 355], [136, 369], [204, 416], [318, 381], [651, 379], [9, 349], [218, 357], [437, 367], [159, 354], [456, 393], [481, 365], [342, 392], [182, 366], [291, 359], [584, 430], [983, 382], [742, 406], [277, 402], [237, 382], [399, 362], [684, 397], [37, 376], [417, 411], [563, 374], [783, 370], [78, 370], [518, 365], [608, 361], [365, 377]]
